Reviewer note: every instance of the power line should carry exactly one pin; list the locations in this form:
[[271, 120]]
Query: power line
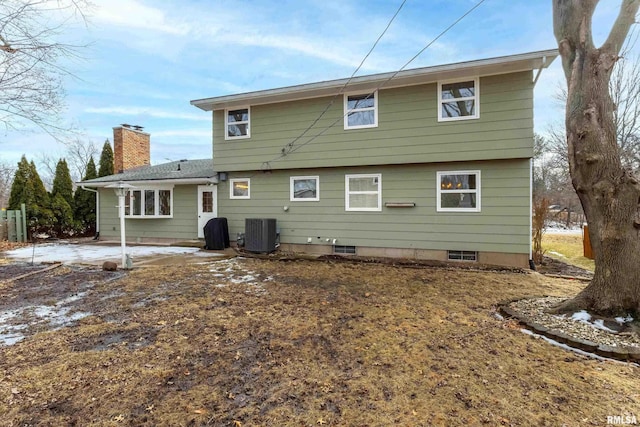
[[293, 149], [288, 147]]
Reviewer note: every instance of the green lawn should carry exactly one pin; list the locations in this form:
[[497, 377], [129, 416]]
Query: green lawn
[[567, 248]]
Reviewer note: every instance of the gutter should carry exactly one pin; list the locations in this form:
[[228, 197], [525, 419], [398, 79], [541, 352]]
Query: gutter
[[143, 182]]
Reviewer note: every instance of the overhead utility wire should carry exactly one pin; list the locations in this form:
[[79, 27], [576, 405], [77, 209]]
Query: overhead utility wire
[[287, 148], [293, 149]]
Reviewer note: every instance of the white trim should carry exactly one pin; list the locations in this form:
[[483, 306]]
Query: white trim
[[347, 193], [156, 202], [417, 76], [234, 180], [292, 197], [247, 122], [152, 182], [475, 98], [358, 110], [439, 193], [204, 217]]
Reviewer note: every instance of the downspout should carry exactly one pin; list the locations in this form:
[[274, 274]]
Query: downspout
[[97, 209], [531, 263], [544, 62]]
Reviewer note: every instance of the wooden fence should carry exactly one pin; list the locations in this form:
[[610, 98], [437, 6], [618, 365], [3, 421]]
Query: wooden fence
[[13, 225]]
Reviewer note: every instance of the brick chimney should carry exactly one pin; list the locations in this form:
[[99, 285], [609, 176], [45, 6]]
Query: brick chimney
[[131, 147]]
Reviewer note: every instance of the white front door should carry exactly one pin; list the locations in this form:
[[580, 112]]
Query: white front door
[[207, 206]]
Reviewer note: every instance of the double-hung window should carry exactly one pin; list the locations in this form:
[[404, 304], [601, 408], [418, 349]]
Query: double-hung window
[[305, 189], [363, 192], [149, 203], [458, 191], [458, 100], [240, 188], [237, 125], [361, 110]]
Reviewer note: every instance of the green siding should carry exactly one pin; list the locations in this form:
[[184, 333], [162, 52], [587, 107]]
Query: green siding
[[183, 225], [407, 132], [501, 226]]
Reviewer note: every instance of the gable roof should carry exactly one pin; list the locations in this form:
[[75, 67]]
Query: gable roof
[[199, 171], [483, 67]]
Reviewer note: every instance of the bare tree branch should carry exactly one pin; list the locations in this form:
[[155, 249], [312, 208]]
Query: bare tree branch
[[31, 74], [620, 30]]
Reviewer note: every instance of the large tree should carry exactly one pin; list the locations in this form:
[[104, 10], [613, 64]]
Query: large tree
[[609, 191], [31, 49]]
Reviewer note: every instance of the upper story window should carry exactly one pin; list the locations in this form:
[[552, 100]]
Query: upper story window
[[459, 191], [149, 203], [361, 110], [240, 188], [305, 189], [458, 100], [363, 192], [237, 123]]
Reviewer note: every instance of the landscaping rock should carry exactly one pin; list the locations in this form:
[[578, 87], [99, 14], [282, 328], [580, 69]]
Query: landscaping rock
[[109, 266]]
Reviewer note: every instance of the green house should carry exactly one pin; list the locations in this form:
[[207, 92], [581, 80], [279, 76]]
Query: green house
[[427, 163]]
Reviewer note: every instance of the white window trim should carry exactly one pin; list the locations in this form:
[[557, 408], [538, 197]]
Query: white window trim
[[292, 197], [347, 193], [476, 191], [347, 110], [226, 123], [234, 180], [156, 203], [475, 98]]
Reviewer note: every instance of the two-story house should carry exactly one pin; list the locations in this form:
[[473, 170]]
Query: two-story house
[[427, 163]]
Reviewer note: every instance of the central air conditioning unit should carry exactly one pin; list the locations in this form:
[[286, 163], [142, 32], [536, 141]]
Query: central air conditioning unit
[[260, 234]]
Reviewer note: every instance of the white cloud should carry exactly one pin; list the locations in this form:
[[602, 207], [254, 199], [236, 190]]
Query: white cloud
[[134, 14], [198, 133], [147, 111]]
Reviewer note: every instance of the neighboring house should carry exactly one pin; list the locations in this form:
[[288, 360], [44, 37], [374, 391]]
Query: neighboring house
[[429, 163], [170, 202]]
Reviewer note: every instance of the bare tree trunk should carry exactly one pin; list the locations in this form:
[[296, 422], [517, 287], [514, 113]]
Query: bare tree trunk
[[608, 191]]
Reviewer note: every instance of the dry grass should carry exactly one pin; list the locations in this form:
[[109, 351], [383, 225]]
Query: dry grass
[[568, 245], [319, 344]]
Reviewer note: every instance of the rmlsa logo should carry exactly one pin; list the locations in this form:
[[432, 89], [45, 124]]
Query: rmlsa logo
[[622, 420]]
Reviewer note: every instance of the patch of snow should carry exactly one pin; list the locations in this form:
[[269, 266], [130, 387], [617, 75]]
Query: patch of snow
[[11, 339], [581, 316], [557, 254], [584, 317], [599, 323], [68, 252], [623, 320], [55, 315]]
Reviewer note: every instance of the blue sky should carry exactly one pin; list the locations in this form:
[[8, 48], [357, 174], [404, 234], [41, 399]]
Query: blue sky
[[147, 59]]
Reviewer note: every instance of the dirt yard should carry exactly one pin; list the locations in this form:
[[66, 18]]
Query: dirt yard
[[248, 342]]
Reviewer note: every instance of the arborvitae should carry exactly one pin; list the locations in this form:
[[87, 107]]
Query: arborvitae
[[85, 203], [106, 160], [63, 215], [21, 191], [42, 205], [62, 183]]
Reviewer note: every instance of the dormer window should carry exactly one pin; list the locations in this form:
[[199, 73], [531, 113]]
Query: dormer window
[[361, 110], [237, 123], [458, 100]]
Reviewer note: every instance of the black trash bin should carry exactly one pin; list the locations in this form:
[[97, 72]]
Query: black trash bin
[[216, 234]]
